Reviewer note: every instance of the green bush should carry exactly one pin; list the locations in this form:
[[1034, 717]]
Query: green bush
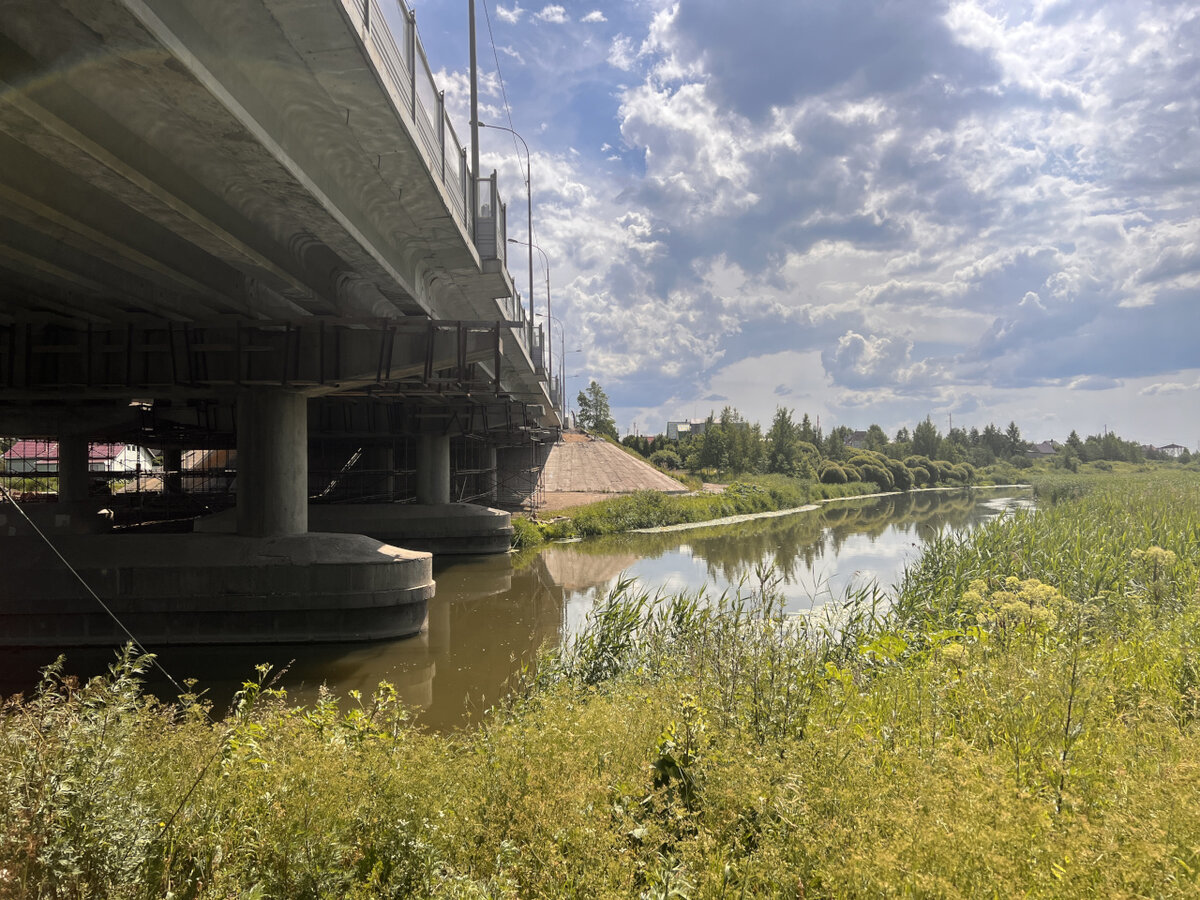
[[666, 459], [832, 473], [525, 533]]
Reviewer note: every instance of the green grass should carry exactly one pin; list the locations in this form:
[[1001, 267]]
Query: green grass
[[1021, 719], [653, 509]]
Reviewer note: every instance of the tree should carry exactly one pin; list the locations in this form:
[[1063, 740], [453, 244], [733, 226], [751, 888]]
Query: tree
[[806, 431], [714, 449], [638, 443], [834, 446], [876, 439], [926, 439], [666, 459], [993, 439], [742, 442], [1015, 444], [783, 451], [594, 412]]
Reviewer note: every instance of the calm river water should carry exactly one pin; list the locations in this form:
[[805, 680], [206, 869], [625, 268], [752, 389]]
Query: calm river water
[[492, 613]]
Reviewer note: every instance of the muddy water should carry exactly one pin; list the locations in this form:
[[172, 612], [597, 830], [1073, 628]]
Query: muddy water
[[491, 614]]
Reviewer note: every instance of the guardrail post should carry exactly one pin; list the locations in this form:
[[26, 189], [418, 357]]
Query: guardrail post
[[441, 113], [410, 41], [464, 184]]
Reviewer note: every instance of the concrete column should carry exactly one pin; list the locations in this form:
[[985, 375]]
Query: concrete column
[[379, 462], [433, 469], [272, 463], [173, 471], [72, 469]]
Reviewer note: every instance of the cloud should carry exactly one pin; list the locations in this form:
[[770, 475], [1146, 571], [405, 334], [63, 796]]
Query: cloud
[[806, 48], [621, 54], [510, 15], [554, 14], [866, 362], [1094, 383], [946, 207], [1168, 387]]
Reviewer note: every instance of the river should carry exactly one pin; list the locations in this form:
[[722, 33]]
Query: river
[[491, 614]]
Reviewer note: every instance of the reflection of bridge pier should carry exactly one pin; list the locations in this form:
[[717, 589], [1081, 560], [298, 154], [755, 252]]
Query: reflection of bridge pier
[[213, 229]]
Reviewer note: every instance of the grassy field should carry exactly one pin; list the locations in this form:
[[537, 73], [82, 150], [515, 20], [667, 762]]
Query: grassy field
[[1021, 720]]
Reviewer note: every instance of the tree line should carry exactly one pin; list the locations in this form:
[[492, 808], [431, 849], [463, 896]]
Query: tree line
[[919, 457], [728, 443]]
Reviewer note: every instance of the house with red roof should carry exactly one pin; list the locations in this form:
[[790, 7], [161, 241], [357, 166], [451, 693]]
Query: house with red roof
[[41, 458]]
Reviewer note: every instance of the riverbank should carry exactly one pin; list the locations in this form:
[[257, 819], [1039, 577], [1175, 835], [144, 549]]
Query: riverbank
[[652, 509], [809, 507], [649, 511]]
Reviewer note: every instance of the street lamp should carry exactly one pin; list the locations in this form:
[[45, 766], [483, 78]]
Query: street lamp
[[562, 356], [546, 262], [563, 366], [528, 210]]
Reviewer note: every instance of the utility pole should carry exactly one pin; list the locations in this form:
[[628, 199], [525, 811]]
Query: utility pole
[[474, 192]]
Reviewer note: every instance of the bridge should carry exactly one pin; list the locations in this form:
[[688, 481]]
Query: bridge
[[249, 227]]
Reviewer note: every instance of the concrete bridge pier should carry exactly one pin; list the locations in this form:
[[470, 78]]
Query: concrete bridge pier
[[72, 469], [433, 469], [271, 581], [173, 471], [272, 445], [433, 523]]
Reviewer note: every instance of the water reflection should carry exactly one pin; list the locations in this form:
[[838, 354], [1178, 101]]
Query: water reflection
[[491, 614], [818, 554]]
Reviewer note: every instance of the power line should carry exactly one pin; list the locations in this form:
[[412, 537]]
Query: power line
[[87, 587], [504, 95]]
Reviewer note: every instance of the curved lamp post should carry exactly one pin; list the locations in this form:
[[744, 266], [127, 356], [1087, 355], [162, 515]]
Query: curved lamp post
[[562, 357], [546, 262]]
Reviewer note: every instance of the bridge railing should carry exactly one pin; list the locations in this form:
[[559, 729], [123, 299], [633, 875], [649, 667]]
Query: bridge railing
[[491, 237], [408, 78]]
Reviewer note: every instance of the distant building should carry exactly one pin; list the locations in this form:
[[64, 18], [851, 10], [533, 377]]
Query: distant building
[[685, 428], [41, 458], [857, 440], [1172, 450], [1042, 450]]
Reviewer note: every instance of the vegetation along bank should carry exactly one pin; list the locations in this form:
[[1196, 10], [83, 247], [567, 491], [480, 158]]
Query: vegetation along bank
[[1022, 718]]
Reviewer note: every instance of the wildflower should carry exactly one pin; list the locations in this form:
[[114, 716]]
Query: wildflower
[[955, 654]]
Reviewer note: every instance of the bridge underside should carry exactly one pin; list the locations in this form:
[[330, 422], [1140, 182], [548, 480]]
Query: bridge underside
[[219, 233]]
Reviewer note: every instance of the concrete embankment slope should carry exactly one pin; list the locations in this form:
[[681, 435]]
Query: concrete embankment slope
[[579, 466]]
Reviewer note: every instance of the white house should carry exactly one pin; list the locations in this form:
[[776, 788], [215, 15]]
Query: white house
[[1172, 450], [41, 458]]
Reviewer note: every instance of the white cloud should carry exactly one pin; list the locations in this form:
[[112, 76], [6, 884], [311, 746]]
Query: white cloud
[[1168, 387], [1093, 383], [982, 209], [554, 14], [858, 361], [621, 54], [510, 15], [594, 16]]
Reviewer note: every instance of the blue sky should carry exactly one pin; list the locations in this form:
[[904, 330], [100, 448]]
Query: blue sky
[[866, 211]]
